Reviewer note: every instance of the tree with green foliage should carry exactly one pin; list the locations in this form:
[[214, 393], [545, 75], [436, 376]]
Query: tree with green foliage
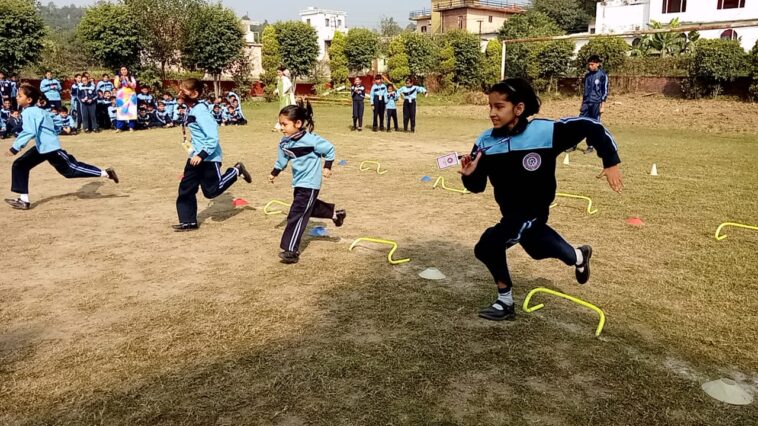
[[164, 26], [468, 58], [388, 27], [271, 58], [110, 35], [298, 45], [397, 61], [361, 47], [611, 50], [423, 53], [61, 18], [754, 72], [338, 60], [446, 68], [568, 14], [22, 32], [714, 63], [214, 41], [539, 62], [493, 60]]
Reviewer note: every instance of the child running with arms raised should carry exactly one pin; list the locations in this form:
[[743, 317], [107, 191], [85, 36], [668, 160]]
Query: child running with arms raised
[[38, 125], [203, 168], [305, 150], [518, 157]]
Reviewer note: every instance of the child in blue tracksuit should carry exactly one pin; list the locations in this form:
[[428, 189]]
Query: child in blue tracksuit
[[87, 95], [161, 117], [51, 88], [105, 85], [410, 92], [518, 157], [392, 97], [57, 120], [595, 93], [203, 168], [170, 104], [112, 112], [218, 115], [6, 88], [6, 110], [144, 97], [358, 94], [68, 123], [13, 125], [305, 150], [241, 120], [38, 125], [378, 98]]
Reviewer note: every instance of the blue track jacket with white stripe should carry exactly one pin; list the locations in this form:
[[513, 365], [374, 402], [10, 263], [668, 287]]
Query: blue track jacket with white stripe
[[37, 125], [204, 131], [305, 151], [520, 164], [595, 87]]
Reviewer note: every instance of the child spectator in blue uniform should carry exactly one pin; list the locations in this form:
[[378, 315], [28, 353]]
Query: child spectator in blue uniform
[[144, 97], [51, 88], [105, 85], [218, 114], [518, 157], [170, 103], [161, 117], [595, 94], [358, 94], [410, 92], [392, 98], [6, 88], [87, 95], [112, 109], [378, 97], [13, 125], [305, 150], [6, 110], [203, 168], [38, 125], [68, 124]]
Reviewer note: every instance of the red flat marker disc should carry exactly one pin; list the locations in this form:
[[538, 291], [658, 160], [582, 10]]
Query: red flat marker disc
[[635, 221], [239, 202]]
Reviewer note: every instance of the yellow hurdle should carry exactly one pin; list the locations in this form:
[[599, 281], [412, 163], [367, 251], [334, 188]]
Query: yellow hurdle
[[271, 212], [590, 210], [378, 167], [737, 225], [567, 297], [441, 183], [389, 255]]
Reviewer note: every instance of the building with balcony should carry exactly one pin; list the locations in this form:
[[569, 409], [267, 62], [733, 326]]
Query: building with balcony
[[326, 22], [481, 17]]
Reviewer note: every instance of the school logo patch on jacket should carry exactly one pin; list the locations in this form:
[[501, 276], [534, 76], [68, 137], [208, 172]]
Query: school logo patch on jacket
[[532, 161]]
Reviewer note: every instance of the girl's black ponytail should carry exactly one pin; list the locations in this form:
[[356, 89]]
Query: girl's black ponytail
[[309, 116], [303, 111]]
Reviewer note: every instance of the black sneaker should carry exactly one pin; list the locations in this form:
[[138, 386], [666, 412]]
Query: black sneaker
[[112, 174], [492, 313], [589, 150], [185, 227], [289, 257], [19, 204], [341, 215], [243, 172], [584, 275]]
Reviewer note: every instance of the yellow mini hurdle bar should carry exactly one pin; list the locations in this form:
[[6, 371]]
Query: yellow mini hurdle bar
[[378, 167], [736, 225], [590, 210], [388, 242], [271, 212], [567, 297], [441, 183]]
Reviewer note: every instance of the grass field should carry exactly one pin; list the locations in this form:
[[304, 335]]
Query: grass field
[[108, 317]]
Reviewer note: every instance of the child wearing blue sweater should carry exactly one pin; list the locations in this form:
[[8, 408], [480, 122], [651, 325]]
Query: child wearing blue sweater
[[38, 125], [305, 150], [203, 168]]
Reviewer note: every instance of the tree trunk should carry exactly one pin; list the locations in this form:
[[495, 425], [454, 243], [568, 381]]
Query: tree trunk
[[217, 84]]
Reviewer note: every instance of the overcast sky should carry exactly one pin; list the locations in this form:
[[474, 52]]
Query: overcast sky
[[359, 13]]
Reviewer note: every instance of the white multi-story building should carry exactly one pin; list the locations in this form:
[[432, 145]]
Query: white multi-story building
[[326, 22], [619, 16]]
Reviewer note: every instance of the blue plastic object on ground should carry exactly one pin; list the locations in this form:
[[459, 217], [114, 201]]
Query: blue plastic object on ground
[[319, 231], [426, 179]]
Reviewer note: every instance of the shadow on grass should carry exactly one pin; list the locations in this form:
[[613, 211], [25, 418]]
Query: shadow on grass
[[221, 209], [383, 346], [88, 191]]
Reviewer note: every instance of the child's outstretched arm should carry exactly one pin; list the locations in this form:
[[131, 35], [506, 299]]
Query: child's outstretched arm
[[570, 131], [29, 130], [281, 164]]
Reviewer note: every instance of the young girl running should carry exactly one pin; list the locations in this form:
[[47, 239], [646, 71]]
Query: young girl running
[[203, 168], [305, 149], [38, 125], [518, 157]]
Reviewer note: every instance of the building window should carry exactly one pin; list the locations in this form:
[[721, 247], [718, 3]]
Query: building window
[[730, 4], [460, 22], [675, 6], [490, 19], [327, 22], [339, 22], [308, 21], [423, 28], [729, 35]]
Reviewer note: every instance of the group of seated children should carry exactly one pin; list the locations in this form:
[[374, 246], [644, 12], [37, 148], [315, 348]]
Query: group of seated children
[[227, 111], [10, 120]]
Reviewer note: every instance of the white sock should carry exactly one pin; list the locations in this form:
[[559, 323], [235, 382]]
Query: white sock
[[23, 197], [103, 173], [505, 298], [579, 257]]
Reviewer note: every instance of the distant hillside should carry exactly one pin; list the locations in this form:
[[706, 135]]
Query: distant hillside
[[61, 18]]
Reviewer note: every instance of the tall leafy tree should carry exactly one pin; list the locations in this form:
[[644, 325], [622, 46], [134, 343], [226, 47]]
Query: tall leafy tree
[[568, 14], [298, 44], [388, 27], [109, 35], [397, 61], [271, 57], [493, 56], [214, 41], [468, 58], [164, 26], [423, 53], [21, 34], [361, 47], [338, 60]]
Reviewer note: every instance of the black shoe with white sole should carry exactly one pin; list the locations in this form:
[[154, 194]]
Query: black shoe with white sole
[[583, 270], [243, 172], [289, 257], [341, 215], [185, 227], [112, 174], [18, 203], [493, 313]]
